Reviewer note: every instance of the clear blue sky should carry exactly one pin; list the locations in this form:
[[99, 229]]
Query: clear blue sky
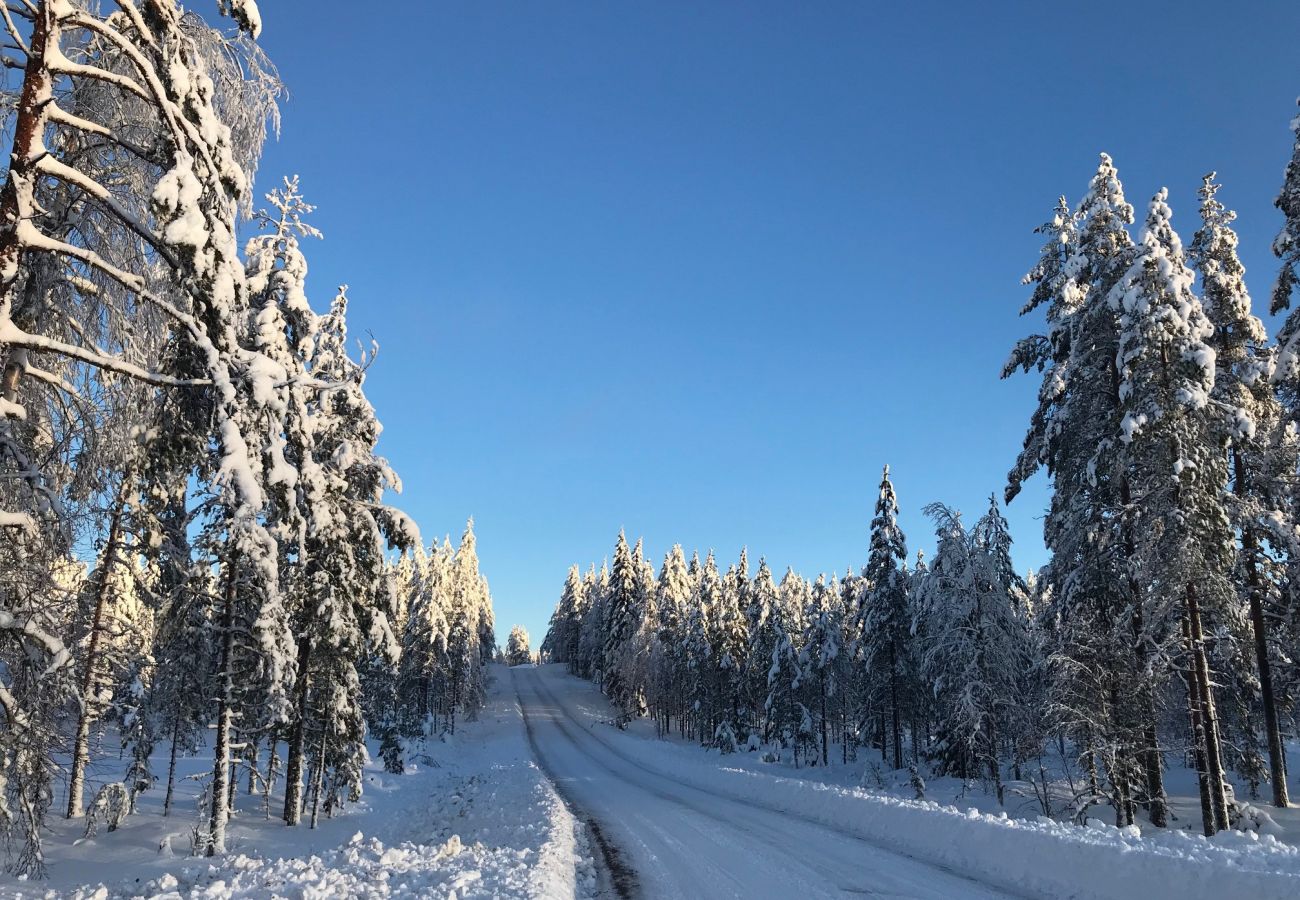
[[699, 270]]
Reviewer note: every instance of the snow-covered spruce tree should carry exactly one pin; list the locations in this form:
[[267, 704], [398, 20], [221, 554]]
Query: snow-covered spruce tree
[[1007, 645], [976, 645], [641, 649], [672, 594], [380, 678], [517, 650], [591, 639], [283, 328], [764, 632], [850, 700], [1286, 378], [731, 645], [1175, 452], [423, 679], [562, 634], [348, 607], [1286, 246], [953, 663], [885, 622], [468, 595], [1104, 699], [703, 647], [820, 656], [786, 716], [1261, 448], [620, 623], [794, 594]]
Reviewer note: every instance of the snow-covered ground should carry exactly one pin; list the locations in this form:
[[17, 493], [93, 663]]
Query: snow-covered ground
[[478, 816], [472, 817], [683, 818]]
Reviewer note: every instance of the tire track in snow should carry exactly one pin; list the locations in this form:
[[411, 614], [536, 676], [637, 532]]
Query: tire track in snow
[[713, 816], [540, 688], [617, 878]]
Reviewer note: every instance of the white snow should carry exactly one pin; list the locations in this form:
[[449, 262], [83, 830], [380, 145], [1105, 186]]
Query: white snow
[[472, 817], [1037, 857]]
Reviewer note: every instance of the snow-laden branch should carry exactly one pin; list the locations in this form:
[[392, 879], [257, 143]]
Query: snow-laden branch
[[14, 336], [53, 647], [181, 128], [60, 116], [48, 165]]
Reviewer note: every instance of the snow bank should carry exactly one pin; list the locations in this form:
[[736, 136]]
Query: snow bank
[[1038, 857], [472, 817]]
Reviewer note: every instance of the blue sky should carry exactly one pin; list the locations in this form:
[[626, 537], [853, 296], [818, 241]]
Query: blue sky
[[700, 270]]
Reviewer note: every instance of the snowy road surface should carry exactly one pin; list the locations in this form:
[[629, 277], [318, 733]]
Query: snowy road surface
[[669, 840]]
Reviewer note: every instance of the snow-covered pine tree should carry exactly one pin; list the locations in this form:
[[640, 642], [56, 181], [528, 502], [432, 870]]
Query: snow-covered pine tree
[[171, 220], [1262, 450], [1106, 701], [1176, 455]]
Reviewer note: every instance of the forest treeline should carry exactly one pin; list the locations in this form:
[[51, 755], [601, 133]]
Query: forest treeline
[[194, 538], [1165, 626]]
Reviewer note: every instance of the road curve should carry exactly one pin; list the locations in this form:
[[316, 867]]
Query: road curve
[[662, 839]]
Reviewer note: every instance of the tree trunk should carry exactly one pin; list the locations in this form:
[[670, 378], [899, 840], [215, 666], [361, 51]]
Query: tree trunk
[[1272, 730], [17, 203], [995, 768], [272, 770], [893, 704], [318, 780], [1215, 777], [455, 701], [1198, 735], [171, 767], [251, 757], [1091, 756], [297, 748], [821, 678], [1157, 802], [89, 687], [225, 718]]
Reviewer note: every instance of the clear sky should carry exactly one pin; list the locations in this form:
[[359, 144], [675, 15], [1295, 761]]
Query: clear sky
[[700, 270]]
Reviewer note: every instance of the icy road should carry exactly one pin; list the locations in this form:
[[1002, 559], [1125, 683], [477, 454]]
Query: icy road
[[658, 838]]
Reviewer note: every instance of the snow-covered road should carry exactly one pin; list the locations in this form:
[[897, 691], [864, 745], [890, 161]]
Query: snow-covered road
[[668, 839]]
